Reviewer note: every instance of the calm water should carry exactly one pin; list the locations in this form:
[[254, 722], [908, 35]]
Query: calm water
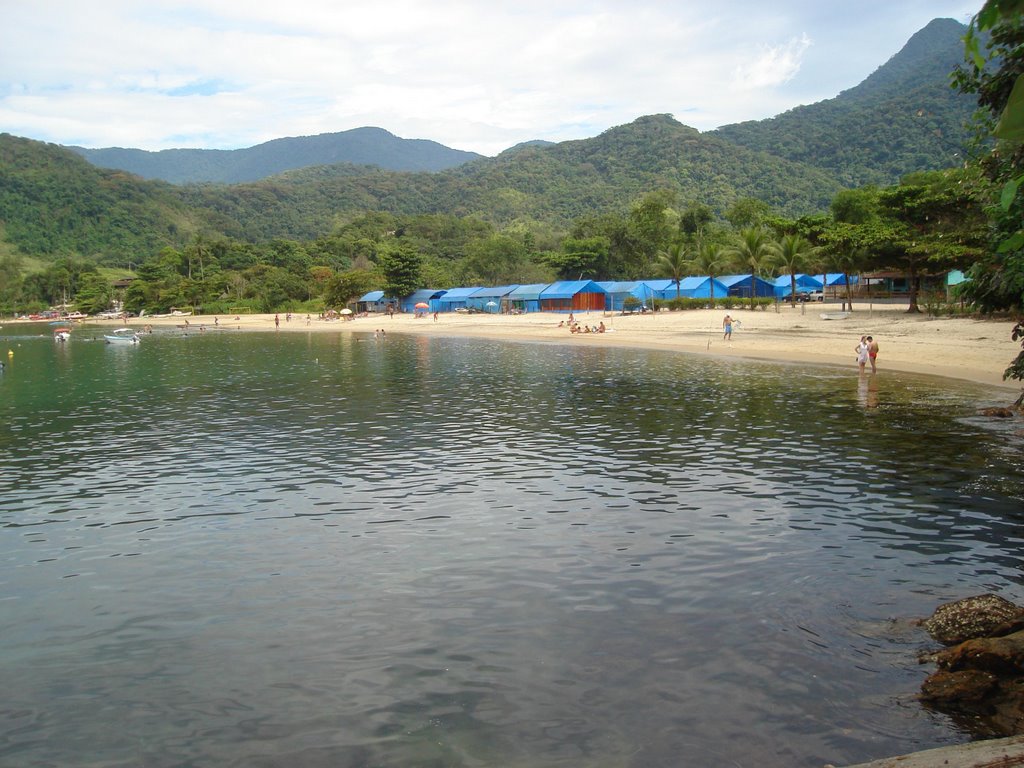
[[281, 550]]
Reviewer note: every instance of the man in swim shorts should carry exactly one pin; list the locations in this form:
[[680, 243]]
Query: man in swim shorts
[[872, 352], [727, 326]]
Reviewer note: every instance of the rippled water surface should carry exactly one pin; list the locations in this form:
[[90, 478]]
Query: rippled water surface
[[281, 550]]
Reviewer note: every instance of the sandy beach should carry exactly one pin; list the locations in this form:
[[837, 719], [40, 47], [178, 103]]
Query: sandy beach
[[958, 348]]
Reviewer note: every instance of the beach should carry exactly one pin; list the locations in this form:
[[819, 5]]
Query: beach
[[970, 349]]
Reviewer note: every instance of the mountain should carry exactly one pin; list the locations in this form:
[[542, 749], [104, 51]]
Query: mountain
[[359, 146], [904, 117], [552, 184]]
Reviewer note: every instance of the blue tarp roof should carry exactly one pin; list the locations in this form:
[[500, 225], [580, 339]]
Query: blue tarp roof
[[528, 292], [424, 294], [488, 293], [622, 287], [784, 281], [731, 280], [372, 296], [459, 294], [566, 289]]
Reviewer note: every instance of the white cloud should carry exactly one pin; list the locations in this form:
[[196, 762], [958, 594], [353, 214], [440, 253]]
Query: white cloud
[[223, 73], [773, 65]]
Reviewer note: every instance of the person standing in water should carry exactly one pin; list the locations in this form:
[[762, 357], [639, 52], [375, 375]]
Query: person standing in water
[[862, 353], [872, 352]]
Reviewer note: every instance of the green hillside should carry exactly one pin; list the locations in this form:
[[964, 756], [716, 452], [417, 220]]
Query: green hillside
[[904, 117], [53, 202]]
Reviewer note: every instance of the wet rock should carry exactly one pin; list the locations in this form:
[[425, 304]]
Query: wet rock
[[979, 616], [980, 678]]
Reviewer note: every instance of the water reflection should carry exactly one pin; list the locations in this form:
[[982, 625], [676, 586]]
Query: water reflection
[[337, 550]]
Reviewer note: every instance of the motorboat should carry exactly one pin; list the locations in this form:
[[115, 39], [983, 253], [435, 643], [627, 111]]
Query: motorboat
[[122, 336], [61, 334]]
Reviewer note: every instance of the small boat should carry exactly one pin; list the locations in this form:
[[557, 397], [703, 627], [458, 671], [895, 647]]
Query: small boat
[[122, 336], [834, 315], [61, 334]]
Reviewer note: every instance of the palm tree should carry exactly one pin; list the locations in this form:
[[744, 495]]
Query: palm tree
[[673, 263], [753, 250], [709, 260], [795, 254]]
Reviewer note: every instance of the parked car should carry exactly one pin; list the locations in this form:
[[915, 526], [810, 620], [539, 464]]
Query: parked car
[[810, 296]]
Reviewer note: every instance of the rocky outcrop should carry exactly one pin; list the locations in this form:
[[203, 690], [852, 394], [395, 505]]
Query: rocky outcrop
[[980, 677]]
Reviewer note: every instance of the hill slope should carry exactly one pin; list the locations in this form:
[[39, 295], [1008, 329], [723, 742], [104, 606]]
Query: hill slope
[[360, 146], [904, 117], [551, 184]]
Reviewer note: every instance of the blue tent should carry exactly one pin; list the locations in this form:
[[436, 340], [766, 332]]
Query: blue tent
[[527, 297], [428, 296], [492, 299], [700, 287], [661, 289], [783, 285], [740, 285], [455, 298], [617, 293], [374, 301]]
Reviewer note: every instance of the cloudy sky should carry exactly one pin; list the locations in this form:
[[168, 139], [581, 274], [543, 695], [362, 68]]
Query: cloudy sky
[[480, 76]]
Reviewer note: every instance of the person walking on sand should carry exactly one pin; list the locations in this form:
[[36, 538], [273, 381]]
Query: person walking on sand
[[872, 352], [862, 353], [727, 327]]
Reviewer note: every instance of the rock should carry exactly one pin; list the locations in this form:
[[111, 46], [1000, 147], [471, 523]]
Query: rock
[[1002, 413], [979, 616], [966, 687]]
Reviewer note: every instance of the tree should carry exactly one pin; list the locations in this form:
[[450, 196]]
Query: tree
[[754, 250], [349, 286], [10, 284], [401, 267], [674, 263], [95, 294], [795, 253], [747, 213], [710, 259], [997, 280]]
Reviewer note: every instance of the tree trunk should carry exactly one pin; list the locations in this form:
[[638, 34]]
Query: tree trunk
[[913, 308], [849, 294]]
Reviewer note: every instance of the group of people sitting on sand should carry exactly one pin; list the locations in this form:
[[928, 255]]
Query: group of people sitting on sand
[[575, 327]]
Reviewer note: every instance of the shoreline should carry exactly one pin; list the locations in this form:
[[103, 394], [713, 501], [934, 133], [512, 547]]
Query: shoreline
[[966, 349]]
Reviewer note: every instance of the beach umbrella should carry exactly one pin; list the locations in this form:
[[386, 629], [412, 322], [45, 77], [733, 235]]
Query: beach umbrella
[[492, 303], [423, 305], [346, 311]]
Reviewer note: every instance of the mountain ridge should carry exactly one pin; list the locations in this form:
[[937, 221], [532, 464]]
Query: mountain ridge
[[358, 146]]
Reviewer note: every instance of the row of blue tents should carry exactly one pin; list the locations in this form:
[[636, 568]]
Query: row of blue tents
[[584, 295]]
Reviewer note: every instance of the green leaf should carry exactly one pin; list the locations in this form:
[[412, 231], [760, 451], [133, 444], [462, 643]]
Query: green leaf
[[1010, 192], [1012, 243], [1011, 124]]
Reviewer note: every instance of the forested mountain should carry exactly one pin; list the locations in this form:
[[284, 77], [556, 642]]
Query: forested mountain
[[359, 146], [54, 202], [904, 117], [551, 184]]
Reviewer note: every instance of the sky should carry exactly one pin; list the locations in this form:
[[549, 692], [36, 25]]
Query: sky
[[479, 76]]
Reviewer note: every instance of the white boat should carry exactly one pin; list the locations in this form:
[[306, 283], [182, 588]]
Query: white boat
[[122, 336], [834, 315], [61, 334]]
